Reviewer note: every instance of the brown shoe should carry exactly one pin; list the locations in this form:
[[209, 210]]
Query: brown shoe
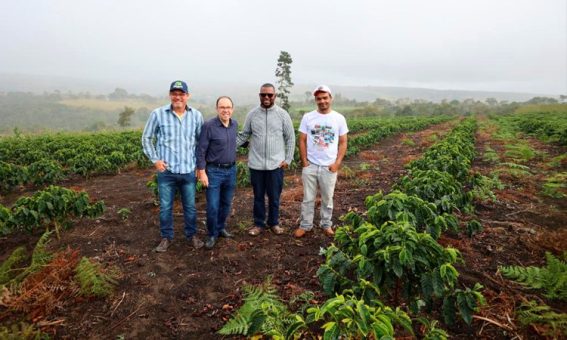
[[329, 231], [255, 231], [163, 245], [196, 242], [278, 230], [299, 233]]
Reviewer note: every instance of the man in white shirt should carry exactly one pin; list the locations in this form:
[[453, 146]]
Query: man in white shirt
[[322, 146]]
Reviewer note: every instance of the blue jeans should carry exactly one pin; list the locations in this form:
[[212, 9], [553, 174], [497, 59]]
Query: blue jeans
[[168, 183], [270, 183], [222, 183]]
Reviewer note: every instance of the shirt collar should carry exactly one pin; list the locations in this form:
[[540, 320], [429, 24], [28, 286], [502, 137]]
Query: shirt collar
[[170, 109], [219, 123]]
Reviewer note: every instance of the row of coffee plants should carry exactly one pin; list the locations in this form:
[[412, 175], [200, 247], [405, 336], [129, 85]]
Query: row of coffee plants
[[392, 252], [53, 207], [47, 159], [387, 127]]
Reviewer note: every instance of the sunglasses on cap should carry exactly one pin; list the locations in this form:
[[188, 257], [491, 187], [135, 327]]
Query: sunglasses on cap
[[269, 95]]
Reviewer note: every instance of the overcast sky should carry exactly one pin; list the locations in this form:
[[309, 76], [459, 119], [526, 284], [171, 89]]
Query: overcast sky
[[496, 45]]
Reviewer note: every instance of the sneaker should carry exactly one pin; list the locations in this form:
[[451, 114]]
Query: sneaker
[[211, 240], [163, 245], [224, 233], [278, 230], [329, 231], [254, 231], [299, 232], [195, 242]]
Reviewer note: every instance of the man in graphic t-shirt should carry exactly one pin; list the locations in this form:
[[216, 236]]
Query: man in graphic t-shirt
[[322, 146]]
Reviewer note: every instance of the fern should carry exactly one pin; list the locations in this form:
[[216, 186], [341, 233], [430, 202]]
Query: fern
[[22, 331], [93, 280], [40, 257], [245, 318], [555, 324], [6, 269], [263, 312], [552, 278]]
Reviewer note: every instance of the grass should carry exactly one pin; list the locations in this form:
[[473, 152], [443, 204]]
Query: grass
[[520, 152], [490, 155], [555, 162], [555, 186], [513, 169]]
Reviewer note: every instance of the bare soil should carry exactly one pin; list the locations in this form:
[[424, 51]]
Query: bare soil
[[190, 294]]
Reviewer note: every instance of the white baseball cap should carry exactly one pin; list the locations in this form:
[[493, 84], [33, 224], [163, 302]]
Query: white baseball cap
[[322, 88]]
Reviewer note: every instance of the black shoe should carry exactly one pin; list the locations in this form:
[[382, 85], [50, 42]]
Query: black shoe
[[224, 233], [211, 240]]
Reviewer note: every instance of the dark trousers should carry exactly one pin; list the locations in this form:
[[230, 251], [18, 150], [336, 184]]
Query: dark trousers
[[267, 183]]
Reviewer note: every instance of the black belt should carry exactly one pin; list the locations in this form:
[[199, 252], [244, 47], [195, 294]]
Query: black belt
[[222, 165]]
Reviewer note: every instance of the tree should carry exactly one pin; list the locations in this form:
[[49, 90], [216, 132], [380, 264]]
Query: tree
[[124, 116], [283, 73], [118, 94]]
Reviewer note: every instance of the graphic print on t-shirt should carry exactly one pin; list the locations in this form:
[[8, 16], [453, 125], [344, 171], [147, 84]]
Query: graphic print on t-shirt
[[323, 135]]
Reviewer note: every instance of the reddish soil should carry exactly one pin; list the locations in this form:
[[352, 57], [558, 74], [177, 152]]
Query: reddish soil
[[518, 229], [189, 294]]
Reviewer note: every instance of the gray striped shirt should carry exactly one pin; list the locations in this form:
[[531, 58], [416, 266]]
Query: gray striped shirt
[[176, 139], [271, 135]]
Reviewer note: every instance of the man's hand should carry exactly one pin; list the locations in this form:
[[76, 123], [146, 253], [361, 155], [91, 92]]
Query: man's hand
[[202, 176], [305, 163], [160, 165], [334, 167], [284, 165]]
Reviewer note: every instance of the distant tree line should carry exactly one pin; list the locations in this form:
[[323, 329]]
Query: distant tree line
[[27, 112]]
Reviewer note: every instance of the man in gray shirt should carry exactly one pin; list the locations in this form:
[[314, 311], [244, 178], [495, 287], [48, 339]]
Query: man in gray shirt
[[270, 131]]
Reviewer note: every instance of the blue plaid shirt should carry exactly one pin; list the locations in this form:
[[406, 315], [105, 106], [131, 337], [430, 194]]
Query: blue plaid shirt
[[175, 139]]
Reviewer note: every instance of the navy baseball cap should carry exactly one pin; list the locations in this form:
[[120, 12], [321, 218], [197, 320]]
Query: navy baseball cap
[[179, 85]]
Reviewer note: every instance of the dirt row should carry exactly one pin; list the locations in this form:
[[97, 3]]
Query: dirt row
[[519, 227]]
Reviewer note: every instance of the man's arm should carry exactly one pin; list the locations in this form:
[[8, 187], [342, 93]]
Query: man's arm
[[289, 140], [243, 136], [150, 131], [303, 149], [201, 156], [341, 154]]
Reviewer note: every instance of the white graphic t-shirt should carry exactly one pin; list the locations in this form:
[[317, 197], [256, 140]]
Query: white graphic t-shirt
[[323, 131]]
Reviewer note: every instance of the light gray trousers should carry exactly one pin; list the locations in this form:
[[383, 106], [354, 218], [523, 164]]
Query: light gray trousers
[[317, 177]]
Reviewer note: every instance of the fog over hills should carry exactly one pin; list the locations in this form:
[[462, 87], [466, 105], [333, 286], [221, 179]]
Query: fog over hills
[[242, 93]]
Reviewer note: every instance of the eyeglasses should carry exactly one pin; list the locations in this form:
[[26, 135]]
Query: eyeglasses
[[269, 95]]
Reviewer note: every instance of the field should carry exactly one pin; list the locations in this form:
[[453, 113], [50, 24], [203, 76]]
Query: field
[[438, 218]]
